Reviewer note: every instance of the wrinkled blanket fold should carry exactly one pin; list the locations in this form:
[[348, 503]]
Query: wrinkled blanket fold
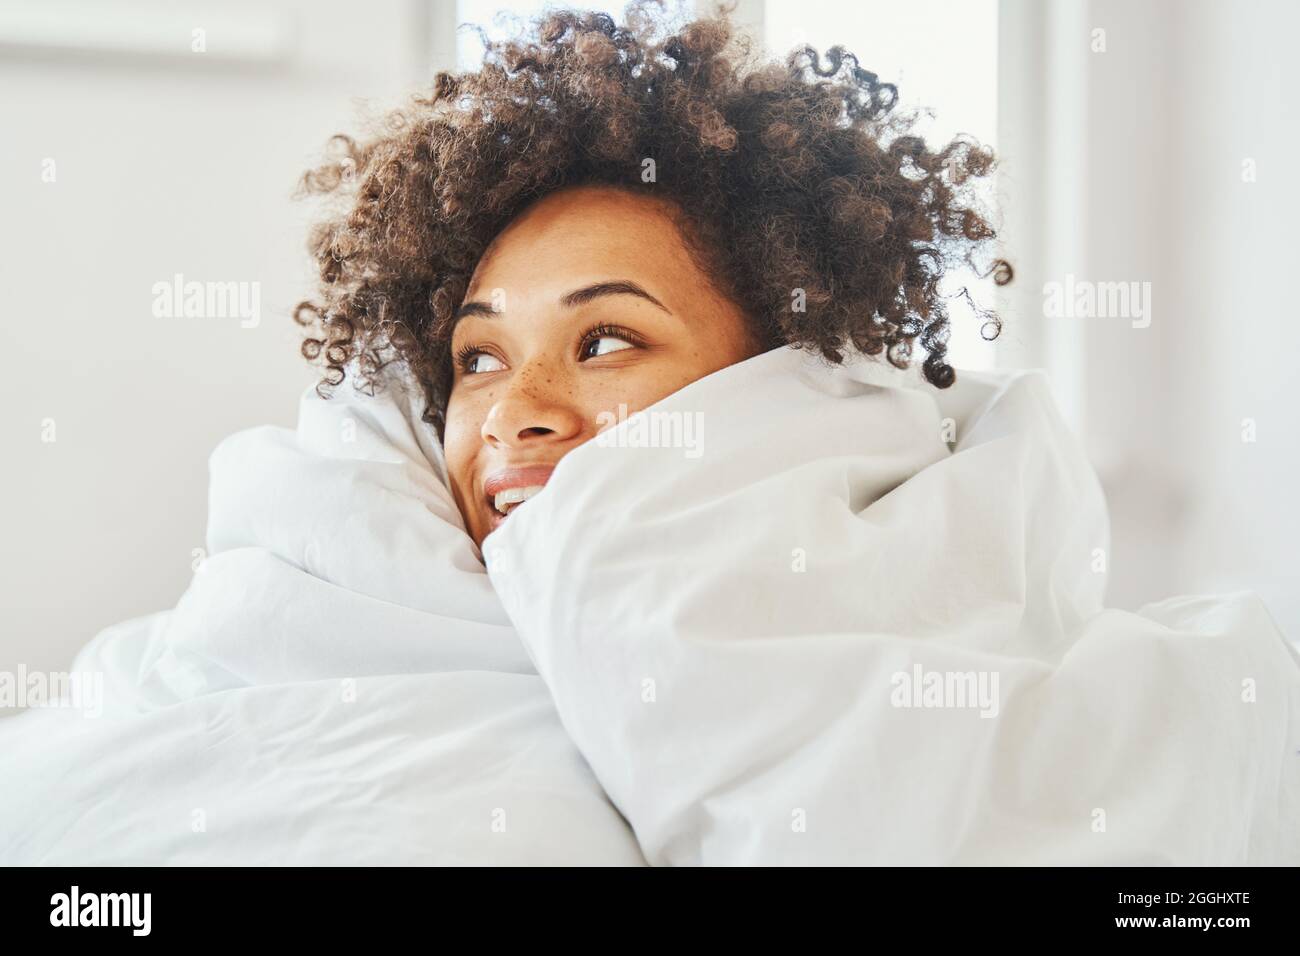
[[831, 637], [339, 685]]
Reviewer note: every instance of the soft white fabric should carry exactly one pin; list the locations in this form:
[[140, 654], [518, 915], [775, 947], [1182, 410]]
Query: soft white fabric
[[338, 685], [722, 627]]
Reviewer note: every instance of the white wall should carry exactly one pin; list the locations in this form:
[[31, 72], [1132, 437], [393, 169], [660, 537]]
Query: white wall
[[166, 161], [1200, 507], [1127, 165]]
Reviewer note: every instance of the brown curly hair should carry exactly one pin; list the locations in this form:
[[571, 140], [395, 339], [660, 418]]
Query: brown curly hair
[[788, 176]]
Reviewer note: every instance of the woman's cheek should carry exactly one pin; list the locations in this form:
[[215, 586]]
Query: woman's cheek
[[656, 381], [621, 395], [461, 437]]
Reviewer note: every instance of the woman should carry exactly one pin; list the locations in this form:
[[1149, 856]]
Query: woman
[[603, 214], [867, 629]]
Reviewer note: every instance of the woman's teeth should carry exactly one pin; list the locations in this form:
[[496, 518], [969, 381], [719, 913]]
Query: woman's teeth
[[505, 501]]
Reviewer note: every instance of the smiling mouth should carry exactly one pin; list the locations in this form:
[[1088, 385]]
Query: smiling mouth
[[507, 501], [507, 489]]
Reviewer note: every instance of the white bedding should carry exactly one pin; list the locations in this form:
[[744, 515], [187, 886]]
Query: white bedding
[[731, 672], [721, 629], [338, 685]]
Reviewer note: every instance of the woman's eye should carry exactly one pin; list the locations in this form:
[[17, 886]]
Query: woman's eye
[[603, 345], [482, 362]]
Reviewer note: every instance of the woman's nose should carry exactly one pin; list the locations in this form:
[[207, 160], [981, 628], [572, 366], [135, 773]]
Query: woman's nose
[[535, 408]]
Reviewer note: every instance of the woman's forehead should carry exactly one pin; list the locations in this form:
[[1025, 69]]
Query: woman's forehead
[[590, 230]]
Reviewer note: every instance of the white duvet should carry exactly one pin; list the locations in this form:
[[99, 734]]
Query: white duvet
[[790, 614], [338, 685]]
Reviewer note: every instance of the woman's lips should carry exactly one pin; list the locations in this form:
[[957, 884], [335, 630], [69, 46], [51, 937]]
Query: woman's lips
[[518, 477], [522, 476]]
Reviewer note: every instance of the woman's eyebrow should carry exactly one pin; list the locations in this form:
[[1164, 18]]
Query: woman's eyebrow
[[617, 287], [475, 308], [577, 297]]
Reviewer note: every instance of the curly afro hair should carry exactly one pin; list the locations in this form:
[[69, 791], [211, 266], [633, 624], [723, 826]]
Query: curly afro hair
[[814, 205]]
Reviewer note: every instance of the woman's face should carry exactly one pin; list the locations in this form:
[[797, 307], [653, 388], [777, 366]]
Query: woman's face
[[589, 300]]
